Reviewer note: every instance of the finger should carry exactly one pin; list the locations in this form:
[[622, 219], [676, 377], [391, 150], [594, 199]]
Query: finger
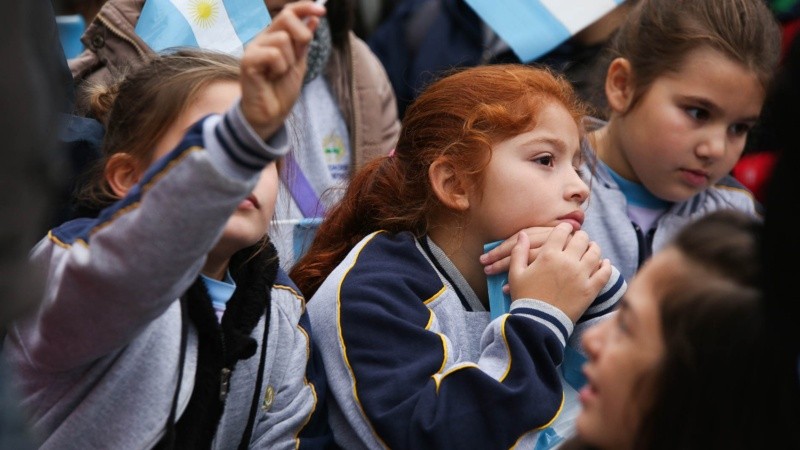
[[601, 276], [557, 240], [502, 265], [272, 56], [592, 254], [299, 20], [519, 254], [536, 236], [500, 252], [578, 244]]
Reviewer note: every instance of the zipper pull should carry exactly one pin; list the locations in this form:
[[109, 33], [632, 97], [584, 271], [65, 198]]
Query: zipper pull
[[224, 385]]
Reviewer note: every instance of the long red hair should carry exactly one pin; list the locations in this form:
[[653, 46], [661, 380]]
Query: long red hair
[[458, 118]]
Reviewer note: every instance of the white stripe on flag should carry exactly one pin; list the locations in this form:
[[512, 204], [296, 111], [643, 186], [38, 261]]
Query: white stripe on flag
[[211, 25], [578, 14]]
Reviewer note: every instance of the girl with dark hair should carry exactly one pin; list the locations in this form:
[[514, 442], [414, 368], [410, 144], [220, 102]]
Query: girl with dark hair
[[684, 363], [686, 85]]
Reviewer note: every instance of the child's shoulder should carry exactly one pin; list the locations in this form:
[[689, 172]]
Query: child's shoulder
[[394, 262]]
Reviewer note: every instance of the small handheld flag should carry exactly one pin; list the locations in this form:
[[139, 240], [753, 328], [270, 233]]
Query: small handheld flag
[[534, 27], [222, 25]]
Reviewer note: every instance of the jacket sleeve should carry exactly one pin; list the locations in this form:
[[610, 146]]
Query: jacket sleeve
[[109, 277], [408, 379]]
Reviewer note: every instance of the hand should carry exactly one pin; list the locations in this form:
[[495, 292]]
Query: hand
[[567, 272], [498, 259], [274, 64]]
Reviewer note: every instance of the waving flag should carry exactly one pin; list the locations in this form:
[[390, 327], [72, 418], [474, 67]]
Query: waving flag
[[534, 27], [222, 25]]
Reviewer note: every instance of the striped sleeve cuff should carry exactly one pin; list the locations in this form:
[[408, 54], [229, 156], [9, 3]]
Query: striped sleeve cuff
[[607, 299], [239, 150], [546, 314]]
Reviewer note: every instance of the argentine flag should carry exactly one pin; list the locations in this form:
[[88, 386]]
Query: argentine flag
[[534, 27], [222, 25]]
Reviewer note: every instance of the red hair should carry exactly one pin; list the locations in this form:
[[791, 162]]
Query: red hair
[[458, 118]]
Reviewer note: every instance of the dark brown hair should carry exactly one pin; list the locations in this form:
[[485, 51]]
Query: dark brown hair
[[658, 34], [713, 387], [457, 118], [137, 110]]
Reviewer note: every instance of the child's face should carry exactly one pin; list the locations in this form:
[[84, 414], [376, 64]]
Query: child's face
[[689, 128], [532, 180], [251, 219], [623, 352]]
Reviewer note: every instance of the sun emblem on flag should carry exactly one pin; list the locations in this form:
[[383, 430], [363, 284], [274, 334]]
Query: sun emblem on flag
[[204, 12]]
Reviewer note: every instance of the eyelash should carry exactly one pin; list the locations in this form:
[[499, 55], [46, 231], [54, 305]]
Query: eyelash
[[540, 159], [738, 129], [690, 110]]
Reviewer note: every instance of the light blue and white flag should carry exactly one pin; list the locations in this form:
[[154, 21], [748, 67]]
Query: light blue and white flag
[[534, 27], [222, 25]]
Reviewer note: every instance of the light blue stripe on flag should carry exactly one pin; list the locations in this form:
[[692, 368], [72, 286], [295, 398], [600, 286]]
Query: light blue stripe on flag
[[253, 18], [534, 27], [162, 26], [222, 25]]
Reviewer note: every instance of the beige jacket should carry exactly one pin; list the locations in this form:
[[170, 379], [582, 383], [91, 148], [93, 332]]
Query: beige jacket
[[358, 80]]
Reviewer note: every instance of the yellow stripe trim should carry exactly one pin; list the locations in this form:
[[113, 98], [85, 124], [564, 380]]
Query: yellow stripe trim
[[436, 295], [341, 337], [291, 290], [134, 205], [311, 385]]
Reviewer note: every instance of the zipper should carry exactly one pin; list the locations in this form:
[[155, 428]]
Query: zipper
[[116, 31], [225, 373], [645, 242]]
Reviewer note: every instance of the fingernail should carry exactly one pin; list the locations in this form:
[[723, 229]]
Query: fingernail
[[483, 258]]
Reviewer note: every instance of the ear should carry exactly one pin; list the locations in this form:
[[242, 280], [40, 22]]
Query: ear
[[122, 173], [619, 85], [448, 186]]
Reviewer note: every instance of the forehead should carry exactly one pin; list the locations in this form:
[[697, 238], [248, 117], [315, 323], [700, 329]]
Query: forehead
[[708, 73], [658, 274]]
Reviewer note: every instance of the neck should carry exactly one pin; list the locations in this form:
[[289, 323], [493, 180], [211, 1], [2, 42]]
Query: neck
[[608, 147], [216, 266], [463, 251]]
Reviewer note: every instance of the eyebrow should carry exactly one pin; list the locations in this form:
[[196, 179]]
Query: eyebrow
[[559, 144], [624, 309], [711, 106]]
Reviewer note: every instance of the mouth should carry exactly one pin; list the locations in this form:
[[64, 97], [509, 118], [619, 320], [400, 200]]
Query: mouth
[[696, 178], [574, 218], [588, 392], [251, 202]]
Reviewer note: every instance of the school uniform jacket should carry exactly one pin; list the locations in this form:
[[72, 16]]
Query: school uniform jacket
[[99, 362], [413, 361]]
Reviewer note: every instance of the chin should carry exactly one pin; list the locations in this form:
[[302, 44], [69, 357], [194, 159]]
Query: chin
[[241, 238]]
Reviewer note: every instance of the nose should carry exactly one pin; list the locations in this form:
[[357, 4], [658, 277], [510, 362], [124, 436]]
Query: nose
[[577, 189], [592, 339], [714, 144]]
